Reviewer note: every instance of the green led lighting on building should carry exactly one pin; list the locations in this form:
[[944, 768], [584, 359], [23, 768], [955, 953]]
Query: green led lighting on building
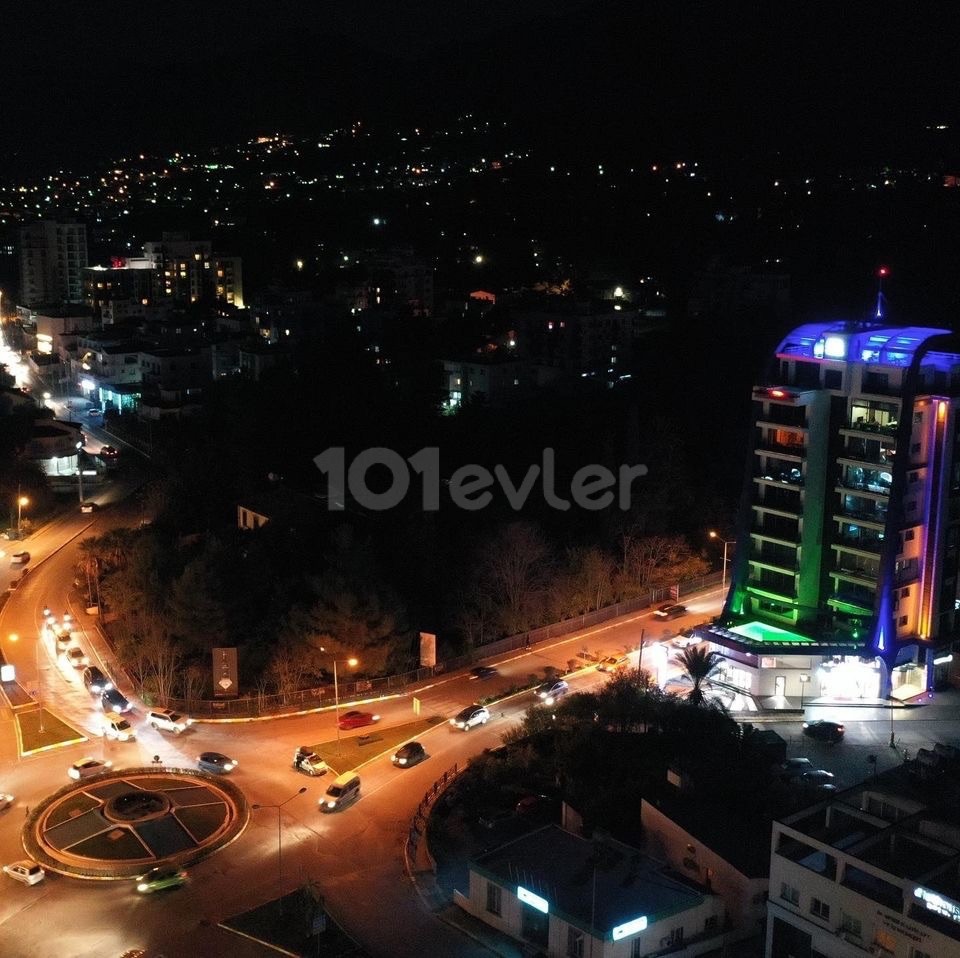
[[761, 632]]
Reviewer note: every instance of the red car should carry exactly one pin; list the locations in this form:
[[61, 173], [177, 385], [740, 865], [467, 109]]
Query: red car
[[357, 719]]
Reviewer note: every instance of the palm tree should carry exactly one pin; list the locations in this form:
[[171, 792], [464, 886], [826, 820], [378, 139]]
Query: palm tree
[[698, 665]]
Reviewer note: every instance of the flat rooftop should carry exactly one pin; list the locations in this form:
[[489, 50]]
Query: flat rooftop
[[558, 867], [761, 632]]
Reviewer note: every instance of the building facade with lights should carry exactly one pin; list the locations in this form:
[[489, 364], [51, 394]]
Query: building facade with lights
[[52, 259], [571, 897], [844, 582], [872, 871]]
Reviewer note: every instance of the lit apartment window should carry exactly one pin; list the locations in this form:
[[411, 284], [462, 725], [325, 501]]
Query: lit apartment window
[[819, 909], [494, 903]]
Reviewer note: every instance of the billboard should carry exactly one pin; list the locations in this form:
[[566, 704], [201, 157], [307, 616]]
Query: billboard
[[225, 680]]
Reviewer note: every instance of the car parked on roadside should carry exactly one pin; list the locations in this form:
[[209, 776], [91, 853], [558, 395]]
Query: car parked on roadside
[[166, 720], [819, 779], [824, 730], [471, 716], [26, 871], [95, 681], [793, 767], [216, 762], [357, 719], [548, 692], [410, 754], [88, 767], [613, 663], [114, 701], [164, 876]]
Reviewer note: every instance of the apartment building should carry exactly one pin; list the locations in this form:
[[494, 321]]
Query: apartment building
[[849, 538], [871, 871], [52, 259]]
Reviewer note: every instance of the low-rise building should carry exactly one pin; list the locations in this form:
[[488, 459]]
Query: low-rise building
[[874, 870], [492, 378], [570, 896]]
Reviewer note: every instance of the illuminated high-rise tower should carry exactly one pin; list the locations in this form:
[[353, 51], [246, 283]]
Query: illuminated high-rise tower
[[845, 579]]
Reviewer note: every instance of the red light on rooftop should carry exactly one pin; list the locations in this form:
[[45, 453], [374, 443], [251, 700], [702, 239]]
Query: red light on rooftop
[[777, 393], [883, 271]]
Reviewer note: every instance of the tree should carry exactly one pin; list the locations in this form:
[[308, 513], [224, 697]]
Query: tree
[[195, 611], [514, 570], [698, 665]]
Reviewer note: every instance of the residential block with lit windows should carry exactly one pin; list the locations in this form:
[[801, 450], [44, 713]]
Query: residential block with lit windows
[[874, 870], [844, 581]]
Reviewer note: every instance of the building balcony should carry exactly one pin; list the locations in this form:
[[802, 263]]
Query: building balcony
[[790, 452], [866, 490], [867, 547], [792, 512], [772, 421], [869, 518], [775, 536], [774, 564], [859, 575], [866, 459], [769, 590]]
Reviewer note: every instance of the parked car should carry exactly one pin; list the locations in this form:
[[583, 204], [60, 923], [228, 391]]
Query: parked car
[[794, 767], [483, 672], [6, 800], [94, 413], [88, 507], [95, 681], [819, 779], [670, 611], [20, 558], [26, 871], [216, 762], [306, 760], [164, 876], [77, 657], [824, 730], [117, 727], [88, 767], [167, 720], [357, 719], [548, 692], [114, 701], [470, 716], [410, 754], [613, 663], [686, 639]]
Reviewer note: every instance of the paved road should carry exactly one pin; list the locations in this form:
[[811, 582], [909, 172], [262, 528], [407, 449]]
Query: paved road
[[355, 856]]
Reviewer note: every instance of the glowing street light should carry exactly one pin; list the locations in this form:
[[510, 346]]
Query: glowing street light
[[726, 542], [21, 502], [353, 663]]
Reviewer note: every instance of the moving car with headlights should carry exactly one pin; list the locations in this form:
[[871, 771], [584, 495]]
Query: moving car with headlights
[[166, 720], [20, 558], [670, 611], [343, 790], [306, 760], [216, 762], [470, 716], [114, 701], [409, 754], [548, 692], [77, 657], [88, 507], [95, 681], [164, 876], [483, 672], [824, 730], [357, 719], [118, 728], [26, 871], [88, 767]]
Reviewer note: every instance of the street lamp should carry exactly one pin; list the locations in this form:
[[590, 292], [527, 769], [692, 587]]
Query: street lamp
[[14, 637], [79, 471], [803, 688], [726, 542], [353, 663], [280, 843], [21, 502]]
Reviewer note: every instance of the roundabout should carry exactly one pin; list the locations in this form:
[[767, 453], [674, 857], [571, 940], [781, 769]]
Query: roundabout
[[124, 822]]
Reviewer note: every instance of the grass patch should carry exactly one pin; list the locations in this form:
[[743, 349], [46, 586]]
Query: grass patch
[[356, 750], [54, 733]]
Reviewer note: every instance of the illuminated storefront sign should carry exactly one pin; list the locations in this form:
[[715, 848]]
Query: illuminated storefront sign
[[938, 904], [630, 928], [535, 901]]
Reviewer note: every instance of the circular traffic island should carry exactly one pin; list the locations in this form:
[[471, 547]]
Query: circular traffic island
[[123, 822]]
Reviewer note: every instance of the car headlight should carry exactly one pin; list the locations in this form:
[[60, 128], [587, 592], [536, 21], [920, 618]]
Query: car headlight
[[331, 804], [401, 761], [549, 700], [143, 886]]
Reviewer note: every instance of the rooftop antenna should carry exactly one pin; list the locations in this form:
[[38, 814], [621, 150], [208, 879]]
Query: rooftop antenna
[[882, 273]]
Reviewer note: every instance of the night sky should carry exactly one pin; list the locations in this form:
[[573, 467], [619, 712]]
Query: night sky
[[814, 81]]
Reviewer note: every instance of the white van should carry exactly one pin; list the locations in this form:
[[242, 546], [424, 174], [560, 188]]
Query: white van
[[342, 791]]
